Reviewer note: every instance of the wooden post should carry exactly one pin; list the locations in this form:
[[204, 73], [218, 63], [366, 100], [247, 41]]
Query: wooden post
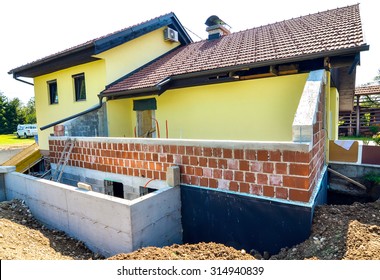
[[357, 116]]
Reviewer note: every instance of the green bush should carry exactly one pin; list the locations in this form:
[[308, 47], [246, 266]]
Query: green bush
[[376, 138]]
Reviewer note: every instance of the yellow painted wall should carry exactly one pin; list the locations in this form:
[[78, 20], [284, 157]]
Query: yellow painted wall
[[47, 113], [260, 109], [119, 115], [334, 112], [135, 54]]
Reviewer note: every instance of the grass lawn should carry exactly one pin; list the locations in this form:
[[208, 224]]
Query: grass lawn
[[11, 139], [355, 138]]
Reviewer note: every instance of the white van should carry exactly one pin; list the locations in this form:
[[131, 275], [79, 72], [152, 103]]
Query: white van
[[26, 130]]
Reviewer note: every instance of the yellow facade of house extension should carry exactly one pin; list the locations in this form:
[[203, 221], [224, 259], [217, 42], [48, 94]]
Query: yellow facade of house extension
[[254, 110], [112, 64]]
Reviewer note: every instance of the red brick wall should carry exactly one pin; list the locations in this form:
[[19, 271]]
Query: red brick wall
[[283, 174]]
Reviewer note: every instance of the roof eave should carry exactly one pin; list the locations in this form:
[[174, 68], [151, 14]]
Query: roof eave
[[156, 90]]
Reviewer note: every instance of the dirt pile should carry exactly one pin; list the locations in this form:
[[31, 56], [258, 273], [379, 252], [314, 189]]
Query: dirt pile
[[338, 232], [200, 251]]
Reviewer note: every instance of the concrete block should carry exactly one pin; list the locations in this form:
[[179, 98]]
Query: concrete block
[[84, 186], [173, 176]]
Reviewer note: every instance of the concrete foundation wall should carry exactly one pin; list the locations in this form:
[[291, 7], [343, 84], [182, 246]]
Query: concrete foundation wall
[[107, 225]]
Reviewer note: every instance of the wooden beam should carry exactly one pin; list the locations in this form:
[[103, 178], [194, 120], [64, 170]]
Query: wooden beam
[[347, 178]]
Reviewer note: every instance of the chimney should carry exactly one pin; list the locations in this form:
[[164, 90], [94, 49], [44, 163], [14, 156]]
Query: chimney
[[216, 27]]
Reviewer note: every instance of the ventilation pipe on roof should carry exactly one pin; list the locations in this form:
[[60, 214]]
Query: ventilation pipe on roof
[[216, 27]]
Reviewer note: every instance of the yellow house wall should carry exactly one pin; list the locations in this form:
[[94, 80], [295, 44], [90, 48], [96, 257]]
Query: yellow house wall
[[260, 109], [67, 106], [135, 54], [119, 116], [334, 113]]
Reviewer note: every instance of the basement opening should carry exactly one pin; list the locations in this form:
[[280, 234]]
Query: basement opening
[[114, 188]]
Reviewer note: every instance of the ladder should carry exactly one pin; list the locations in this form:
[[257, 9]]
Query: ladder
[[65, 156]]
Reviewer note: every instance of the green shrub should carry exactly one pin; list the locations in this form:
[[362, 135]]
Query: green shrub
[[376, 138]]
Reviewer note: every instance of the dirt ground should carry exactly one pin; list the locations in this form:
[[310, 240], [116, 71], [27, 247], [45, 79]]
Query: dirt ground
[[349, 232]]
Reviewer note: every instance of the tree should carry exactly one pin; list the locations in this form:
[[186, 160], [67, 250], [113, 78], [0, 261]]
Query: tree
[[30, 111], [377, 77], [13, 112]]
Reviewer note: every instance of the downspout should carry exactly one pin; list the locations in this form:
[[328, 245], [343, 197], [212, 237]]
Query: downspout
[[97, 107]]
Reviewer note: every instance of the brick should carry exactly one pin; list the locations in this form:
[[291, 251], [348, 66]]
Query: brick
[[203, 182], [195, 180], [222, 163], [262, 179], [299, 195], [207, 172], [194, 160], [158, 166], [198, 171], [275, 180], [302, 157], [289, 156], [256, 166], [217, 152], [218, 174], [162, 157], [212, 162], [262, 155], [268, 167], [250, 177], [282, 193], [197, 151], [223, 184], [234, 186], [289, 181], [233, 164], [268, 191], [155, 156], [181, 150], [166, 149], [213, 183], [299, 169], [228, 175], [170, 158], [186, 179], [256, 189], [302, 183], [173, 149], [189, 170], [250, 154], [207, 152], [239, 154], [185, 160], [203, 161], [244, 187], [238, 175], [189, 150], [275, 156], [281, 168], [244, 165], [227, 153]]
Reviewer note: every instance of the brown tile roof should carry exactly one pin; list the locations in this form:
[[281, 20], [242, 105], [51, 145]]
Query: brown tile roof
[[367, 90], [315, 34]]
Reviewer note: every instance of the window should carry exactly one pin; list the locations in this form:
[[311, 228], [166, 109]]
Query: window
[[53, 92], [79, 87]]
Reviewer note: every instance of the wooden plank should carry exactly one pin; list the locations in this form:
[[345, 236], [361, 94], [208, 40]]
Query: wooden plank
[[347, 178]]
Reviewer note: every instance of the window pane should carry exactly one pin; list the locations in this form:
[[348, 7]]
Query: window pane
[[80, 87], [53, 92]]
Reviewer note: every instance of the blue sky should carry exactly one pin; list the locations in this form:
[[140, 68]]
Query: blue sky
[[30, 30]]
